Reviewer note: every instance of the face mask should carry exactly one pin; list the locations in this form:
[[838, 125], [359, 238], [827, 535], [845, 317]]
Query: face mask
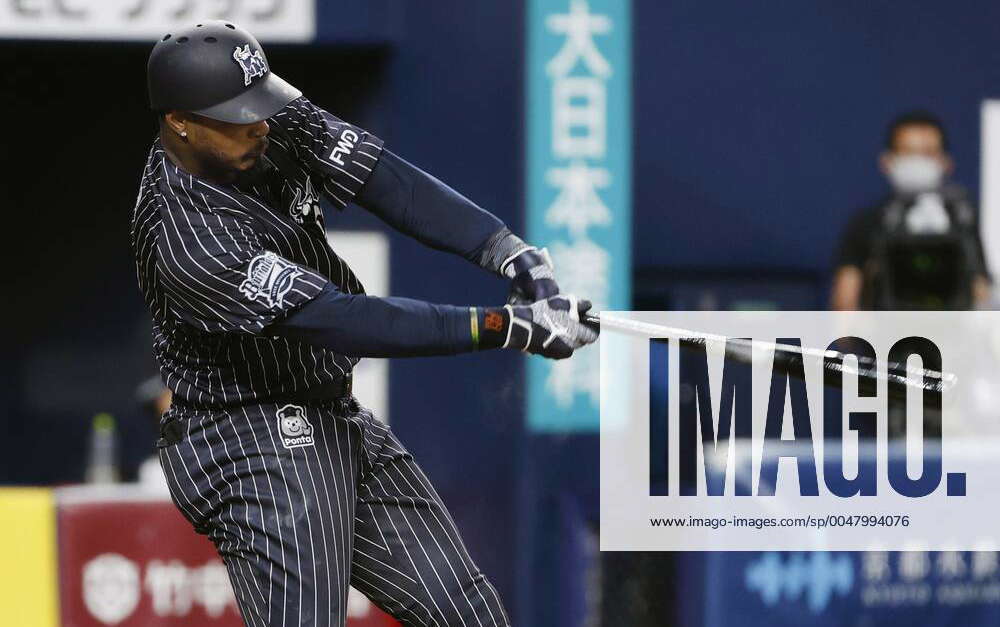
[[913, 174]]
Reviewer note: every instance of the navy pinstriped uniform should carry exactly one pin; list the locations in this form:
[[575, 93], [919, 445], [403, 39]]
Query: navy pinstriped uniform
[[301, 489]]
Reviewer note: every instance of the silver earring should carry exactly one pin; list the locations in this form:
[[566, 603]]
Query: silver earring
[[184, 134]]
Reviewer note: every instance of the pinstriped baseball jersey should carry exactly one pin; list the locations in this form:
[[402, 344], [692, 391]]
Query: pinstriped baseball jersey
[[217, 262]]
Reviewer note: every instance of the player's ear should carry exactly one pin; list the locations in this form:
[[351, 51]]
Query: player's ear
[[177, 122]]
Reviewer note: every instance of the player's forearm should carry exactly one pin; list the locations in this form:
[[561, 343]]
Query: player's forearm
[[419, 205], [368, 326], [423, 207]]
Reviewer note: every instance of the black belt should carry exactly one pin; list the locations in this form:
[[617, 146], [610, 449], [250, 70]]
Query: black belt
[[171, 430], [334, 390]]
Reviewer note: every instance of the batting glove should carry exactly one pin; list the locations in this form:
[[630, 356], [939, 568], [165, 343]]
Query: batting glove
[[532, 278], [551, 328]]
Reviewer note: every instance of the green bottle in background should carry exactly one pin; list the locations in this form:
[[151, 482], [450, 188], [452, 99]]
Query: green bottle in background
[[102, 461]]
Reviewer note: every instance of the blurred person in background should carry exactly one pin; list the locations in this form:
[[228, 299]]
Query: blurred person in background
[[154, 399], [920, 247]]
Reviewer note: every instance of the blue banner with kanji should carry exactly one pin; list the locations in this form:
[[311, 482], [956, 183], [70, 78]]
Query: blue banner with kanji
[[578, 182]]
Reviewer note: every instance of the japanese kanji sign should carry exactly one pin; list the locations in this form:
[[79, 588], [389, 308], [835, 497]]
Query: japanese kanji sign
[[578, 181]]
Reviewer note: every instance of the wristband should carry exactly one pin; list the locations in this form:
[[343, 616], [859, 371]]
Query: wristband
[[493, 325], [474, 324]]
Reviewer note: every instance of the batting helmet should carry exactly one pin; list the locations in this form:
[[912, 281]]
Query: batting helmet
[[218, 70]]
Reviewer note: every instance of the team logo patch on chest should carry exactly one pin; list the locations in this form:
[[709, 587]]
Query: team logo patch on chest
[[269, 279], [305, 204], [294, 427], [252, 63]]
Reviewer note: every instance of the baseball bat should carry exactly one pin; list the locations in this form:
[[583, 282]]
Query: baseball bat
[[787, 356]]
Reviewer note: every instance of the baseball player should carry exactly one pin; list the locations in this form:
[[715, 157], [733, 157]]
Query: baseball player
[[257, 325]]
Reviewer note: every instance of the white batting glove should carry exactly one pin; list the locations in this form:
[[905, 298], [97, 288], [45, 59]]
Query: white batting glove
[[551, 328]]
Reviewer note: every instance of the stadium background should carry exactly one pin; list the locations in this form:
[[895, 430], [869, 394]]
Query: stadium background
[[755, 128]]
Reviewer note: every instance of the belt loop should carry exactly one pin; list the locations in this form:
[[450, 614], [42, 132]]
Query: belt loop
[[171, 433]]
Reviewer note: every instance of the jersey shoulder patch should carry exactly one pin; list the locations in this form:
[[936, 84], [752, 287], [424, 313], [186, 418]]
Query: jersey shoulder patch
[[269, 279]]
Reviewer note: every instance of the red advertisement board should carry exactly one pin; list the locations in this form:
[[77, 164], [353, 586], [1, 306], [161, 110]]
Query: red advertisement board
[[130, 559]]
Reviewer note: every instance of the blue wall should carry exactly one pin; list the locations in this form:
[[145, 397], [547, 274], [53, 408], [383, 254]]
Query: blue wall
[[758, 123]]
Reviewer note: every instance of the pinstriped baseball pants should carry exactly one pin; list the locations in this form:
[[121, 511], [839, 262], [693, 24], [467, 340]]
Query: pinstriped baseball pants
[[302, 500]]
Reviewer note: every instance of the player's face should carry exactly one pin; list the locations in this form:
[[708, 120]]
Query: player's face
[[227, 149]]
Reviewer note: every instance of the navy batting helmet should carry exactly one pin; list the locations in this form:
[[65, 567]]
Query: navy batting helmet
[[218, 70]]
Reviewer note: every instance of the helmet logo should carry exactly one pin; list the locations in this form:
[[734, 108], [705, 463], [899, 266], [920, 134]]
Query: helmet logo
[[252, 63]]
